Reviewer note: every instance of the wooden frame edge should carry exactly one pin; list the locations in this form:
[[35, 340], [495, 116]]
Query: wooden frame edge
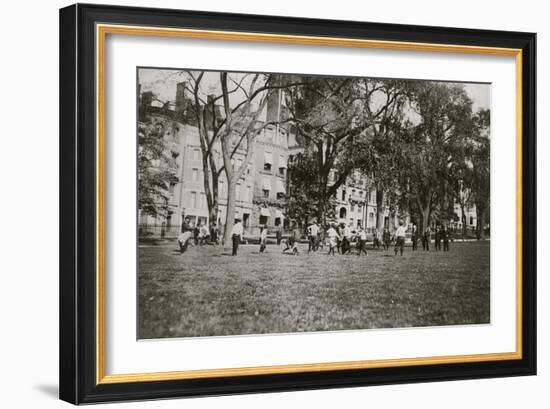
[[103, 29]]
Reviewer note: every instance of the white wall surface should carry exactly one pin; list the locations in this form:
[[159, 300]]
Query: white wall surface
[[29, 205]]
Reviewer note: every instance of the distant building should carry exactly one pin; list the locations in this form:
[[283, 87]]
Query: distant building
[[262, 192]]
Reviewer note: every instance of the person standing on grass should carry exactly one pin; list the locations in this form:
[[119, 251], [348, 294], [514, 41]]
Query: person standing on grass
[[312, 231], [263, 238], [361, 241], [426, 239], [400, 238], [346, 241], [279, 235], [321, 239], [376, 239], [446, 235], [213, 233], [236, 235], [437, 242], [333, 239], [386, 238], [414, 237]]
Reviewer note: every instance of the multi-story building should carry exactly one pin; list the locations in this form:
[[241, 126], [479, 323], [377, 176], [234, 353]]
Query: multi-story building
[[356, 204], [262, 191]]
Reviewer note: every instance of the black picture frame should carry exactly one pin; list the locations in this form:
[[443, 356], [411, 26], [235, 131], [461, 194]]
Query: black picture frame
[[78, 236]]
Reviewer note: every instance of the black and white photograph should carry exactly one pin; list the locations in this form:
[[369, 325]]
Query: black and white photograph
[[281, 203]]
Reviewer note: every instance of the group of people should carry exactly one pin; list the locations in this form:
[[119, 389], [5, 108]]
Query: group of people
[[338, 237], [198, 234], [441, 234]]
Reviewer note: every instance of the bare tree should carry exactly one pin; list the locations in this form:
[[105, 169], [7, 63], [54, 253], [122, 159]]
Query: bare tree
[[241, 126]]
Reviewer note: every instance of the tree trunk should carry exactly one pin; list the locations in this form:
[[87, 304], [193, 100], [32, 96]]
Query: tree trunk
[[321, 212], [323, 199], [230, 212], [379, 209], [480, 223], [464, 226], [392, 221], [213, 213], [425, 217]]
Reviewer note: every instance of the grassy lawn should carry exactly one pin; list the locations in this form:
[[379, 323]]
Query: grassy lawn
[[205, 292]]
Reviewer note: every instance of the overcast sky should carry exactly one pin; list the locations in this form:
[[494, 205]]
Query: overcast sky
[[163, 84]]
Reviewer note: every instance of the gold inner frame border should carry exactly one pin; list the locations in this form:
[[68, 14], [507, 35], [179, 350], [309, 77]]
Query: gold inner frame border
[[102, 30]]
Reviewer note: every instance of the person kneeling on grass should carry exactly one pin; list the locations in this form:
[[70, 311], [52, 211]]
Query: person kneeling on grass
[[183, 240], [400, 238], [292, 241]]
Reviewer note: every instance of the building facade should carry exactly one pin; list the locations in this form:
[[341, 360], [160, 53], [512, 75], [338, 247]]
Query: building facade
[[262, 191]]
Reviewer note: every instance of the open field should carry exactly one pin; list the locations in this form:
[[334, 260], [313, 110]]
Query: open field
[[207, 292]]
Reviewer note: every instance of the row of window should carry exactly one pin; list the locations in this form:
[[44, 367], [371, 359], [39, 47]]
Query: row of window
[[360, 193], [241, 193], [268, 162], [197, 200]]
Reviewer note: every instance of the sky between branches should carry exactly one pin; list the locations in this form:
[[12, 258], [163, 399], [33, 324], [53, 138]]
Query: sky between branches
[[162, 82]]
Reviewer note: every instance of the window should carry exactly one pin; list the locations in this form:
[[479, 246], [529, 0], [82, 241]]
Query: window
[[343, 213], [280, 189], [268, 160], [282, 165], [248, 168], [238, 164], [203, 201], [193, 203], [471, 220], [352, 208], [266, 186], [196, 154], [195, 175], [263, 220], [344, 194], [238, 192], [248, 196]]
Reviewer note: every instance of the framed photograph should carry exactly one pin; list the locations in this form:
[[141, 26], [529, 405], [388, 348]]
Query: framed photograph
[[258, 203]]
